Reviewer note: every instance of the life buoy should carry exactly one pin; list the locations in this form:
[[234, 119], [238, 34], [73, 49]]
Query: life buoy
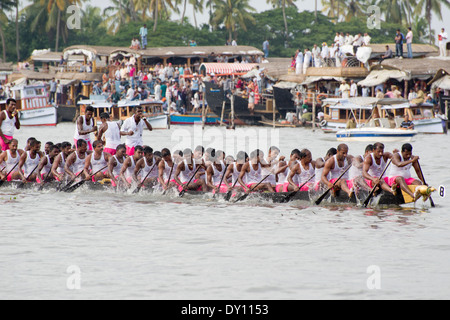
[[321, 97], [324, 123]]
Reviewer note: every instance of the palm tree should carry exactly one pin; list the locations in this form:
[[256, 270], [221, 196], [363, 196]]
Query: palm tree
[[431, 7], [116, 15], [197, 5], [233, 14], [5, 5], [283, 4]]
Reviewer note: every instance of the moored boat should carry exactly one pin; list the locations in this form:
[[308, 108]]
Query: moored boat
[[33, 106]]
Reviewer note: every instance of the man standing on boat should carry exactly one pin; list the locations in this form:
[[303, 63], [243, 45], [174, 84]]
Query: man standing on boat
[[112, 133], [85, 126], [9, 121], [135, 124]]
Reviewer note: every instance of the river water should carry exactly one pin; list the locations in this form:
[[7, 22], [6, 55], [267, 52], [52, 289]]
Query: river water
[[103, 245]]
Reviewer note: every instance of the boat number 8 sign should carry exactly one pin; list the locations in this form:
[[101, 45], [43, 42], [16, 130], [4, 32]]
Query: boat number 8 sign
[[442, 191]]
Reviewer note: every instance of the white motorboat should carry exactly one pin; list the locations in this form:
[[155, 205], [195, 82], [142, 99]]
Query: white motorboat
[[377, 130], [33, 105], [124, 109]]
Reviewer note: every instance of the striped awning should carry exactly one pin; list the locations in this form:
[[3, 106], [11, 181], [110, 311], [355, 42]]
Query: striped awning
[[227, 68]]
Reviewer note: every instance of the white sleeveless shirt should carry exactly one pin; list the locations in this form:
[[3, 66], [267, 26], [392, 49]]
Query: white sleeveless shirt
[[376, 170], [79, 163], [187, 174], [99, 164], [254, 176], [8, 125], [337, 171], [86, 127], [11, 162], [112, 136], [30, 164], [404, 172], [217, 175], [118, 167]]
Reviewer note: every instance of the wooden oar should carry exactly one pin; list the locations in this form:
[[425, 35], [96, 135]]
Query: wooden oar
[[79, 184], [170, 176], [185, 187], [20, 186], [319, 201], [243, 197], [221, 180], [366, 203], [45, 181], [431, 199], [229, 193], [63, 189], [2, 181], [290, 196], [143, 181]]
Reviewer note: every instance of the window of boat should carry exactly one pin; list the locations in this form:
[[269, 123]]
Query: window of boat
[[30, 92], [335, 114]]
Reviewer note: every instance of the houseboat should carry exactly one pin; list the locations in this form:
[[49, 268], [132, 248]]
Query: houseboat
[[33, 105]]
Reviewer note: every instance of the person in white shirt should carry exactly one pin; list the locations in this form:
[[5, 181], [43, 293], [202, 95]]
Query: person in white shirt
[[443, 43], [366, 39], [316, 55], [135, 124], [344, 89], [299, 62], [336, 38], [365, 91], [307, 60], [348, 39], [130, 94], [338, 56], [341, 39], [409, 40], [353, 89], [325, 52]]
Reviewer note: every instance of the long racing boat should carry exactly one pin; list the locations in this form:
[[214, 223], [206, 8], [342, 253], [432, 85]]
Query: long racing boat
[[381, 199]]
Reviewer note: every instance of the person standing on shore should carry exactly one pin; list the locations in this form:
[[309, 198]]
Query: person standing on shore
[[399, 44], [143, 33], [409, 40], [266, 46], [9, 121], [443, 43]]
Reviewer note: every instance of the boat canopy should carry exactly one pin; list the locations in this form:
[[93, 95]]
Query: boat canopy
[[227, 68]]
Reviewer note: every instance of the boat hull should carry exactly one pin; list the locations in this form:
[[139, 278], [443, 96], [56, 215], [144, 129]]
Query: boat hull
[[160, 122], [47, 116], [375, 134], [190, 119], [383, 199], [425, 126]]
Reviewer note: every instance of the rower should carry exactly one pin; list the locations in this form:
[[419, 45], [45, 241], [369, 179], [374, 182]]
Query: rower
[[76, 161], [320, 165], [115, 164], [112, 133], [302, 172], [10, 158], [28, 146], [166, 166], [356, 171], [283, 184], [234, 170], [374, 165], [400, 174], [9, 122], [128, 169], [47, 147], [185, 172], [59, 163], [45, 166], [272, 161], [85, 126], [336, 166], [252, 170], [29, 161], [135, 124], [214, 173], [95, 162]]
